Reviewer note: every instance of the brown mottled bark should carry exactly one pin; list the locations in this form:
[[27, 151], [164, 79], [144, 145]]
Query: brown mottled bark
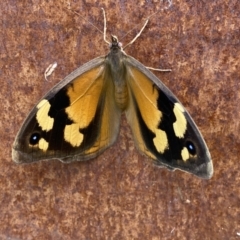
[[121, 194]]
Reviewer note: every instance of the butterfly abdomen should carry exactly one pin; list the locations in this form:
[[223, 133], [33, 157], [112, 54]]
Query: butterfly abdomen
[[121, 94], [117, 68]]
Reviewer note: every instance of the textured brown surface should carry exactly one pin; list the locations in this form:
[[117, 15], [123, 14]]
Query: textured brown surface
[[122, 195]]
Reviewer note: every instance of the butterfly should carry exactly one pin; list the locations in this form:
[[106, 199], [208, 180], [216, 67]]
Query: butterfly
[[79, 118]]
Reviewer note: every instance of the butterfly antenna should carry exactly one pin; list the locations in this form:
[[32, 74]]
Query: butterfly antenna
[[85, 19], [146, 21], [105, 27], [137, 34]]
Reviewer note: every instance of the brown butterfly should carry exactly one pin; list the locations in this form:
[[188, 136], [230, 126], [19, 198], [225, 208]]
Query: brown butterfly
[[80, 117]]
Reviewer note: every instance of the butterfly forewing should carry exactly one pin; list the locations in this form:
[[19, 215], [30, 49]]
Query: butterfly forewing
[[75, 121], [162, 128]]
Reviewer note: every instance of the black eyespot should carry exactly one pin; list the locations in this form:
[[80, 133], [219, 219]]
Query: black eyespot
[[191, 148], [34, 139]]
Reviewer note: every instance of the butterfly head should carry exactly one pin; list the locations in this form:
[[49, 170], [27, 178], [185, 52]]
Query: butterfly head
[[115, 44]]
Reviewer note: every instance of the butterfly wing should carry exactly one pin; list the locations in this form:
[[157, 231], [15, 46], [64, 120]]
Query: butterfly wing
[[163, 130], [76, 120]]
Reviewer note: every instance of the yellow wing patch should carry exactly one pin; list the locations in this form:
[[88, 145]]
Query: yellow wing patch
[[110, 121], [72, 134], [84, 95], [180, 126], [44, 121], [146, 97], [160, 141], [43, 145], [185, 154]]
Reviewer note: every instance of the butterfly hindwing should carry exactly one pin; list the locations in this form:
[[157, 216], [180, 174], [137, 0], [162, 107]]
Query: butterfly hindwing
[[76, 120], [162, 128]]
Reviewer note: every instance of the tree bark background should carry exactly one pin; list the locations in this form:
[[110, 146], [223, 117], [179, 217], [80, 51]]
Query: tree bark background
[[121, 194]]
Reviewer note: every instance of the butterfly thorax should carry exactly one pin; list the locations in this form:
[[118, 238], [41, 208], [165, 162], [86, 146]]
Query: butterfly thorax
[[117, 69]]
